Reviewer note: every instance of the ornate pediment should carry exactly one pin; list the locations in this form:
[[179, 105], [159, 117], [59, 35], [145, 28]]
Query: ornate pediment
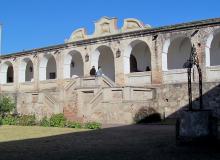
[[105, 26], [132, 24], [78, 34]]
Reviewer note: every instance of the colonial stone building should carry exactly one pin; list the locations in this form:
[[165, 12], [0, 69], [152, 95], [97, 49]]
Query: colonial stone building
[[142, 68]]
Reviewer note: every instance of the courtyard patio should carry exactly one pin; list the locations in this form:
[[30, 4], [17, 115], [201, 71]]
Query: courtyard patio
[[150, 142]]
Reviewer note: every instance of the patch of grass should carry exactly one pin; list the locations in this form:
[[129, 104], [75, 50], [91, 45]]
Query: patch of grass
[[70, 124], [11, 133], [93, 125]]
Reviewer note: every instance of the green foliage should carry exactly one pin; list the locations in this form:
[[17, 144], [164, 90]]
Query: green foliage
[[70, 124], [6, 105], [92, 125], [26, 120], [9, 120], [0, 120], [45, 122], [57, 120]]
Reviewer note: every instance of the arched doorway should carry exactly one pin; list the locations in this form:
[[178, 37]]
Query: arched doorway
[[7, 73], [133, 64], [104, 57], [140, 56], [51, 68], [29, 71], [73, 64], [10, 74], [137, 57], [26, 70], [178, 52], [48, 69]]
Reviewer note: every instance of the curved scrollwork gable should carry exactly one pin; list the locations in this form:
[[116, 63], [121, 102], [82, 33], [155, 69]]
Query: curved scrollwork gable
[[78, 34], [132, 24], [105, 26]]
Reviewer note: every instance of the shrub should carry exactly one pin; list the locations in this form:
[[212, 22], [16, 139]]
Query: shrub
[[73, 124], [57, 120], [6, 105], [9, 120], [45, 122], [92, 125], [0, 120], [26, 120]]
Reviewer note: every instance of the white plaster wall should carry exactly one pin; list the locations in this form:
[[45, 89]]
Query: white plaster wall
[[4, 72], [106, 61], [78, 65], [78, 68], [215, 51], [95, 59], [103, 57], [175, 76], [213, 73], [178, 52], [138, 78], [42, 68], [142, 54], [140, 50], [24, 70]]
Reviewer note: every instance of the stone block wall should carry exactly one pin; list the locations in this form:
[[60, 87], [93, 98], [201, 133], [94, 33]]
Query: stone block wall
[[116, 105]]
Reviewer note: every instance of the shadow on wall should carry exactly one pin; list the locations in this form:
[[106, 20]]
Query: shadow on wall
[[211, 99], [147, 115]]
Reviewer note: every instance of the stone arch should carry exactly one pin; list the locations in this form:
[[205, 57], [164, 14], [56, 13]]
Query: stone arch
[[47, 68], [103, 56], [176, 51], [73, 64], [139, 52], [7, 73], [212, 49], [26, 70]]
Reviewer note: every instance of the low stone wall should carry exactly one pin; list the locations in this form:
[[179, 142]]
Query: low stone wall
[[115, 104], [172, 98]]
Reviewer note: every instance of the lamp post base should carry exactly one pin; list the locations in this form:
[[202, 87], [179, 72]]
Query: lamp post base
[[196, 126]]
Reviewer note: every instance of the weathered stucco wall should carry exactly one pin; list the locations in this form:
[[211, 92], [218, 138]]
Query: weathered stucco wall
[[118, 97], [115, 104]]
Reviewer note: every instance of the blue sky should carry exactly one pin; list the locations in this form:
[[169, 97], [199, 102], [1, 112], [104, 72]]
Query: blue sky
[[29, 24]]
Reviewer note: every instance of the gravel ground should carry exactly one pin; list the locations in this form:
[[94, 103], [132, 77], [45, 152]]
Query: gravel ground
[[133, 142]]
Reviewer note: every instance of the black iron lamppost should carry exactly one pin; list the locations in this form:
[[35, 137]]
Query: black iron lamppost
[[193, 61]]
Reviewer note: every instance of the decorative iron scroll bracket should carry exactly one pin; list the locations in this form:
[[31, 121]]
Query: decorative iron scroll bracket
[[191, 62]]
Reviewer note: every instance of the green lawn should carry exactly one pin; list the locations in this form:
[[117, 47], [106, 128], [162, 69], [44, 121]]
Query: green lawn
[[11, 133]]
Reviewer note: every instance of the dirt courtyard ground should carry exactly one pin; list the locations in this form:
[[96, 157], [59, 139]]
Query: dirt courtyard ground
[[133, 142]]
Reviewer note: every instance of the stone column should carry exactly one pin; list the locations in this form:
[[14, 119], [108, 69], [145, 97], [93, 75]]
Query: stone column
[[16, 73], [119, 62], [200, 49], [156, 61], [87, 64], [36, 62]]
